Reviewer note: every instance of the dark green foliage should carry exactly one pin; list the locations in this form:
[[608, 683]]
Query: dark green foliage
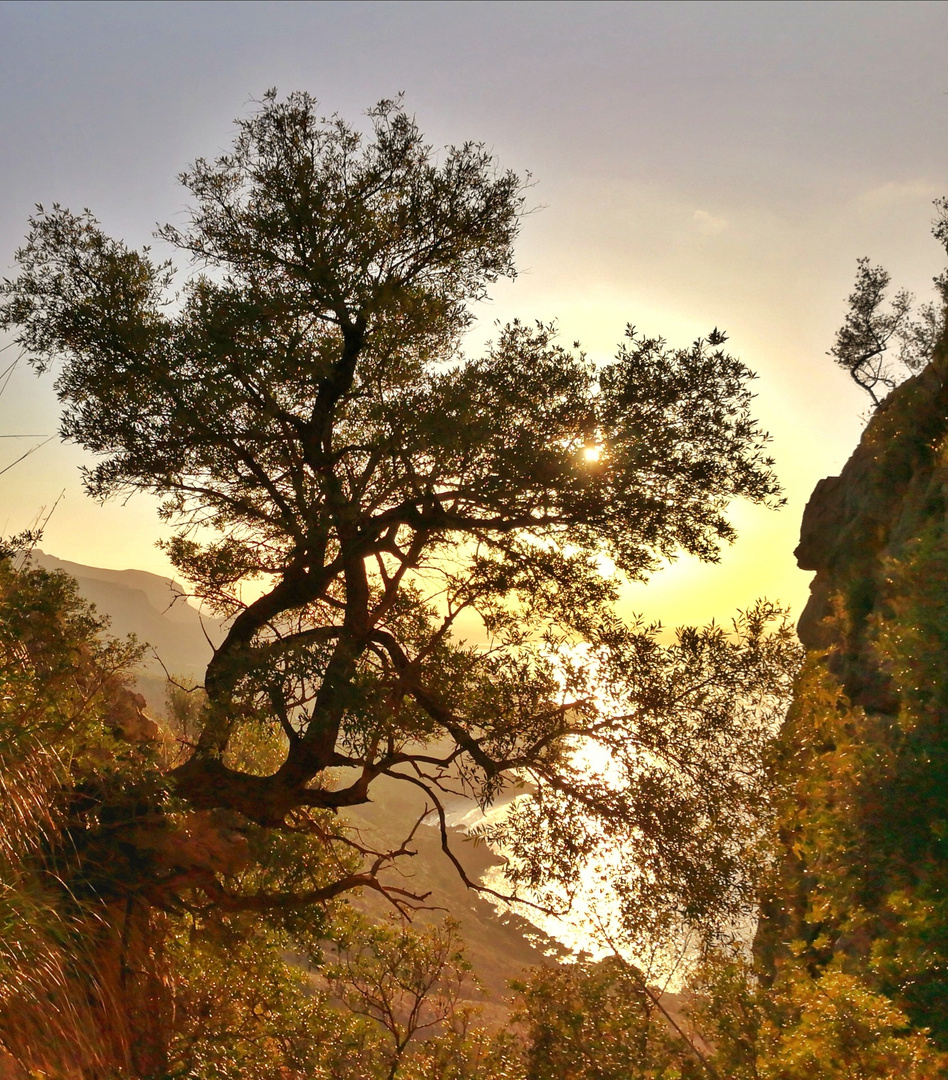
[[599, 1022], [829, 1025]]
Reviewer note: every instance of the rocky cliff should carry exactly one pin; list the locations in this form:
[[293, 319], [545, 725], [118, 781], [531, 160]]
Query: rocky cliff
[[861, 879], [891, 493]]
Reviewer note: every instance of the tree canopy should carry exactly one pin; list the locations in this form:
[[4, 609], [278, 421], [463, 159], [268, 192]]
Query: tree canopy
[[346, 484]]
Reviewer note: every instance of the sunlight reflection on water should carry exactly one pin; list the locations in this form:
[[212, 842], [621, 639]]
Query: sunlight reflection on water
[[590, 929], [587, 929]]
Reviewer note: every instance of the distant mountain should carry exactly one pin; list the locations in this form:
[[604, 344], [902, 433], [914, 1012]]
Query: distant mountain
[[153, 608]]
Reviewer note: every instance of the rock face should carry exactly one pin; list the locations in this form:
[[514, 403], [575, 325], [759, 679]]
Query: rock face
[[861, 878], [889, 492]]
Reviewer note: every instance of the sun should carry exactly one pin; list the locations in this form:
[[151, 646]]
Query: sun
[[592, 452]]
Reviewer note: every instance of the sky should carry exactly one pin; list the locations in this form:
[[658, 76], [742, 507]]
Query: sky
[[694, 165]]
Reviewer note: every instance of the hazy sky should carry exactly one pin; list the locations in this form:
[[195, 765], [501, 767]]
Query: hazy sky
[[695, 165]]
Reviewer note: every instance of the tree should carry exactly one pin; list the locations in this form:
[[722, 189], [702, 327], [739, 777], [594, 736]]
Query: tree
[[868, 330], [305, 411], [411, 985], [598, 1021]]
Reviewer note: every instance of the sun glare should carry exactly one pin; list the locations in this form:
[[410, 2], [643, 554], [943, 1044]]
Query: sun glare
[[592, 452]]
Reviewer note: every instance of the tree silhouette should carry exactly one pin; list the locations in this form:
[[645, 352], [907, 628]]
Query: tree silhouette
[[323, 447]]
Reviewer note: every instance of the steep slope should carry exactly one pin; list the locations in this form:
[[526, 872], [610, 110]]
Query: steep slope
[[863, 875]]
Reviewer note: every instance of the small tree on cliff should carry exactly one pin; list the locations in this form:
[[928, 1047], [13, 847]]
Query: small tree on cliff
[[869, 330], [305, 411]]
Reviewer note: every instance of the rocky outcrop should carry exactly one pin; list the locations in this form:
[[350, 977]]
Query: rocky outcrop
[[890, 492], [861, 874]]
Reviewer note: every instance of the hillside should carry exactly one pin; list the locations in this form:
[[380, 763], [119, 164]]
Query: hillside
[[151, 607]]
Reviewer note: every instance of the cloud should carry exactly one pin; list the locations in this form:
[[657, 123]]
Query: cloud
[[894, 193], [707, 224]]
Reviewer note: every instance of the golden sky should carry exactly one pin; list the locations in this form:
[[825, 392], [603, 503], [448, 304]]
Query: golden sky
[[695, 165]]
